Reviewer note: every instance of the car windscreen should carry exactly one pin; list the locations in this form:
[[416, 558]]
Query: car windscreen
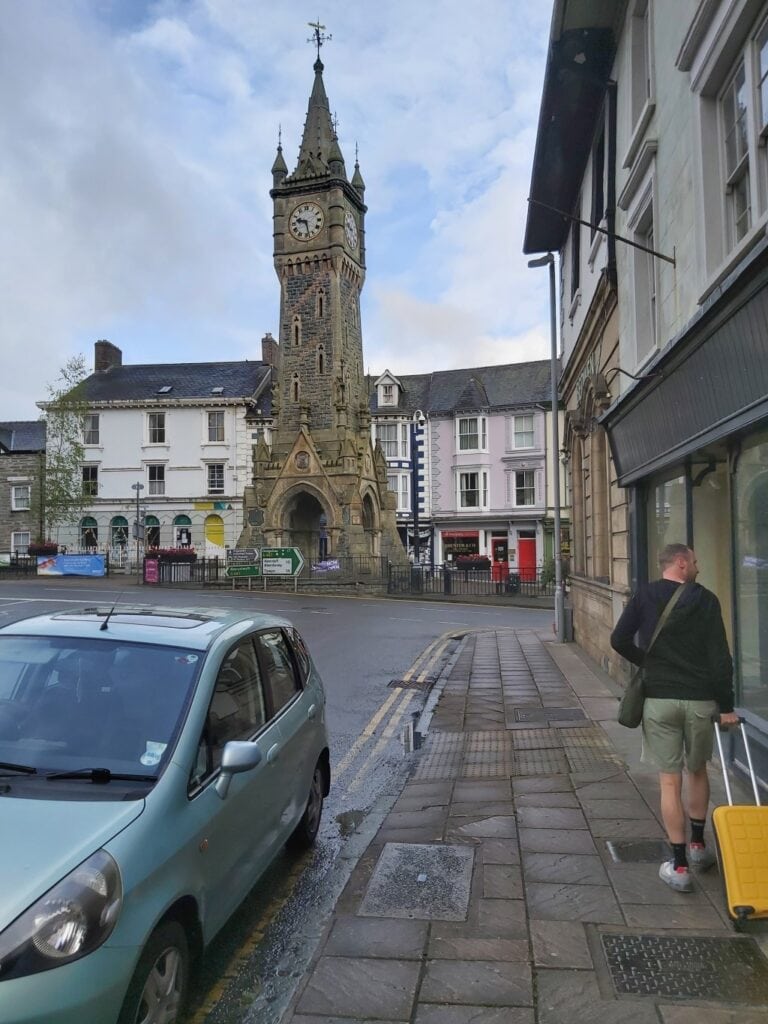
[[77, 704]]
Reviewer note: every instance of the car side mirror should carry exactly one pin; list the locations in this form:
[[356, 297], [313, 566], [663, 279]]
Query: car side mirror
[[238, 756]]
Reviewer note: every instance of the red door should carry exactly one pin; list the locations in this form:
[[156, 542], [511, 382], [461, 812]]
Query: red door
[[526, 558]]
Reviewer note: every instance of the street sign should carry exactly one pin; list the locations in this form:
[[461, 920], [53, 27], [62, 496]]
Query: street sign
[[243, 570], [281, 561], [243, 556]]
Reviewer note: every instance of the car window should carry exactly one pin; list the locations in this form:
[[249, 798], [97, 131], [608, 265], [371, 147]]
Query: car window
[[301, 652], [237, 708], [280, 680], [10, 673]]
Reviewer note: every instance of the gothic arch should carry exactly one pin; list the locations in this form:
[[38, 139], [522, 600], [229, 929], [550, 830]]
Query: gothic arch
[[579, 509]]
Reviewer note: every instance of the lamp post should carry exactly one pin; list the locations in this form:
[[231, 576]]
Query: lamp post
[[138, 487], [543, 261]]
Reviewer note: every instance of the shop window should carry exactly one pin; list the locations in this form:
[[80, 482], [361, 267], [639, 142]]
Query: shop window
[[119, 531], [711, 537], [151, 532], [751, 575], [455, 544], [667, 519]]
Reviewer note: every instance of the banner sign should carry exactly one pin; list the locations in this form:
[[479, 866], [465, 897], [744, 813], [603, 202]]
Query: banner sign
[[71, 565]]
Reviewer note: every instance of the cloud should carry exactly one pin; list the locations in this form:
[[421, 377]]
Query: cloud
[[135, 148]]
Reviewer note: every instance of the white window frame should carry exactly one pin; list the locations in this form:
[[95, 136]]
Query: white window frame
[[154, 429], [404, 441], [210, 467], [525, 487], [389, 445], [20, 547], [642, 222], [516, 432], [641, 94], [387, 394], [91, 433], [480, 433], [481, 489], [213, 423], [156, 488], [23, 505]]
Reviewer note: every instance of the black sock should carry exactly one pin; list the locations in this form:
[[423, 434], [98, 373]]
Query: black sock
[[697, 830], [678, 851]]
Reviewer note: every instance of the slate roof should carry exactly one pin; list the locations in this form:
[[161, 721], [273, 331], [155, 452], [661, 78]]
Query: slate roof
[[142, 382], [23, 435], [477, 387]]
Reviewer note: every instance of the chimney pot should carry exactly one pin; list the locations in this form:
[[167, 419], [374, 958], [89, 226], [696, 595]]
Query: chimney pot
[[106, 356]]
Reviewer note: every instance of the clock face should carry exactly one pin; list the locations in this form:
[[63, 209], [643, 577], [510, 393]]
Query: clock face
[[306, 221], [350, 229]]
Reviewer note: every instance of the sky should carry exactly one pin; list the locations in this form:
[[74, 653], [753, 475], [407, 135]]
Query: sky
[[136, 142]]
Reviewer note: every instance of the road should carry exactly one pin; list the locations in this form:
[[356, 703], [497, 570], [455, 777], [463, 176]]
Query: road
[[360, 646]]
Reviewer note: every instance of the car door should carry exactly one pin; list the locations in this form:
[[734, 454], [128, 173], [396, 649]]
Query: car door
[[297, 712], [240, 833]]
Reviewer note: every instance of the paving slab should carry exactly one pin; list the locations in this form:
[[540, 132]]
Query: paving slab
[[471, 791], [477, 982], [560, 944], [429, 1014], [499, 851], [359, 987], [680, 916], [431, 882], [549, 840], [428, 817], [640, 883], [626, 828], [707, 1015], [476, 810], [579, 869], [495, 827], [573, 997], [377, 937], [542, 784], [562, 902], [302, 1018], [502, 881], [550, 817], [558, 799], [616, 808], [457, 947]]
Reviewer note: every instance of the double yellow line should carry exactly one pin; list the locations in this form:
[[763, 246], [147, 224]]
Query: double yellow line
[[425, 664]]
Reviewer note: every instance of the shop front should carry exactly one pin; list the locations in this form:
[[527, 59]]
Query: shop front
[[691, 444]]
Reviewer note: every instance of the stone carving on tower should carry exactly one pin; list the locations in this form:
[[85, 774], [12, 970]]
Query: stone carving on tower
[[320, 486]]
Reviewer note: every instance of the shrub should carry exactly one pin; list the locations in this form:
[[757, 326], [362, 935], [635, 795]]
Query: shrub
[[43, 547]]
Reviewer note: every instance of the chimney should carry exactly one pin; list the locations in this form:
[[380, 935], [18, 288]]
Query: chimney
[[106, 356], [270, 350]]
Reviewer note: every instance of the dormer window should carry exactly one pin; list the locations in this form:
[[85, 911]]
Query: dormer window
[[388, 394]]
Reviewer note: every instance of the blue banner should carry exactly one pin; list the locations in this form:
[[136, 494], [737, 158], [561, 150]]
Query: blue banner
[[71, 565]]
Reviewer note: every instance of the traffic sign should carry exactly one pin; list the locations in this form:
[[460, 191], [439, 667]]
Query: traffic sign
[[243, 556], [281, 561], [243, 570]]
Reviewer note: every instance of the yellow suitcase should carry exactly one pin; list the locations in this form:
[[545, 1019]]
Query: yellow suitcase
[[741, 833]]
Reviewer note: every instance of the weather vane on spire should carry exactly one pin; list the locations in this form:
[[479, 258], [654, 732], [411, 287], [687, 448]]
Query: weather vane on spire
[[318, 35]]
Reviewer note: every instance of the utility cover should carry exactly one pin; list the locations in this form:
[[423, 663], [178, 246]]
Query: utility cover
[[412, 880], [688, 967]]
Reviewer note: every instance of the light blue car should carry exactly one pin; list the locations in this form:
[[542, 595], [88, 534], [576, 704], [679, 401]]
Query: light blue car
[[152, 763]]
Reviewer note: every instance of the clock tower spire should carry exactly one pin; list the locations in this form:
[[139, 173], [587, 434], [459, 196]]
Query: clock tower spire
[[322, 479]]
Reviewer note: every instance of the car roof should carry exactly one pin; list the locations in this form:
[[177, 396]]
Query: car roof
[[193, 628]]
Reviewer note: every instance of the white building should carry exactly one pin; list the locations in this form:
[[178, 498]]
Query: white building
[[179, 438]]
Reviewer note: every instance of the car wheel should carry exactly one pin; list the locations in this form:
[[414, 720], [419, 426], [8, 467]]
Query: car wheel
[[306, 831], [158, 989]]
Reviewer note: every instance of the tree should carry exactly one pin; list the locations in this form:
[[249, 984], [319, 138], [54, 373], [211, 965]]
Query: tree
[[64, 498]]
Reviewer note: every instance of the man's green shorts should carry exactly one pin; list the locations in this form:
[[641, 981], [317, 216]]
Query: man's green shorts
[[674, 730]]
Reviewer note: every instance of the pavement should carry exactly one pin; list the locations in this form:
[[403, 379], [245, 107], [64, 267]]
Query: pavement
[[515, 880]]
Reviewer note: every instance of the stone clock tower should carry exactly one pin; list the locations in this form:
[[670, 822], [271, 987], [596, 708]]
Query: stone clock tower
[[321, 486]]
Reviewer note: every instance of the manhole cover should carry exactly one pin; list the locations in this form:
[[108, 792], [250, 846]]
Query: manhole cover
[[549, 714], [638, 851], [688, 967], [412, 880]]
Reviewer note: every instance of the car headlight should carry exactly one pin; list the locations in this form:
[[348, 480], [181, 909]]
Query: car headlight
[[71, 920]]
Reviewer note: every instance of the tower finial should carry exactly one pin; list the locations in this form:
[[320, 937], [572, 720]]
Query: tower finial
[[318, 35], [279, 136]]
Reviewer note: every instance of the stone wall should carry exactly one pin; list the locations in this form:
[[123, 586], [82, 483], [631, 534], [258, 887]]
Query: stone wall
[[20, 468]]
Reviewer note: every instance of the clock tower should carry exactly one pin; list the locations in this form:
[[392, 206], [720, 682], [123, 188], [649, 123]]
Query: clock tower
[[321, 485]]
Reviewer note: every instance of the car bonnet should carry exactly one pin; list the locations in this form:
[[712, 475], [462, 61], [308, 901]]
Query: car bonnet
[[43, 840]]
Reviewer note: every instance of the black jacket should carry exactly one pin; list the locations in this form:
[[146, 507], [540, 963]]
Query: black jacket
[[690, 659]]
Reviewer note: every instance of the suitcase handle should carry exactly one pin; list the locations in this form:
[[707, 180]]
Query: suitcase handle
[[752, 777]]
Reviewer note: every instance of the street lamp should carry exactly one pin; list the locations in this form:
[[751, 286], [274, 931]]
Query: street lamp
[[544, 261], [138, 487]]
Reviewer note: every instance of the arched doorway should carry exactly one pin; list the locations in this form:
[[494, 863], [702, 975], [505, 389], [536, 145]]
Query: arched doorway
[[182, 531], [214, 536], [370, 525], [305, 526], [89, 533]]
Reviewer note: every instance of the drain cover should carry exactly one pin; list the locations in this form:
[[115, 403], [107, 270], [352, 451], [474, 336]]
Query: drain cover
[[549, 715], [688, 967], [413, 880], [638, 851], [412, 684]]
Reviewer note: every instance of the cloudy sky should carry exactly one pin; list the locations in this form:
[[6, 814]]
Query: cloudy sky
[[136, 142]]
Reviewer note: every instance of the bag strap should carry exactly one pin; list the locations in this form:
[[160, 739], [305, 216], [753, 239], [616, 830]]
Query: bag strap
[[666, 613]]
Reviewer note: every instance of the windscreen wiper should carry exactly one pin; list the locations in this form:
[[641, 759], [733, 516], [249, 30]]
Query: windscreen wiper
[[23, 769], [101, 776]]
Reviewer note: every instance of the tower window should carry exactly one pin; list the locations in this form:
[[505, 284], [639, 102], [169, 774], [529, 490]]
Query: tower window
[[297, 330], [320, 359], [296, 387], [320, 303]]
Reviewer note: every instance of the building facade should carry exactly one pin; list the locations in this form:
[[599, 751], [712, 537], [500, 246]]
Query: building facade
[[22, 466], [169, 445]]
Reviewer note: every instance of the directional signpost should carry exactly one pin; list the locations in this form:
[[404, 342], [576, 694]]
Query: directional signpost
[[243, 562], [281, 561]]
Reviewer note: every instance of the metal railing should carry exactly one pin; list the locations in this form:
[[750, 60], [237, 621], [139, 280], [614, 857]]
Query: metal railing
[[446, 580], [19, 565]]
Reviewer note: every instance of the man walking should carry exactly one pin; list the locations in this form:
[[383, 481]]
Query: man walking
[[687, 678]]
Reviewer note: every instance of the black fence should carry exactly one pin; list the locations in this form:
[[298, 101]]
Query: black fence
[[18, 566], [341, 570], [445, 580]]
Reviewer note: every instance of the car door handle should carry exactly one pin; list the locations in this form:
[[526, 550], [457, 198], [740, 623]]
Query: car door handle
[[312, 711], [272, 753]]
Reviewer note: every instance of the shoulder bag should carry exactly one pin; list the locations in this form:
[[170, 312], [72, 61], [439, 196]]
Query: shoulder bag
[[633, 698]]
